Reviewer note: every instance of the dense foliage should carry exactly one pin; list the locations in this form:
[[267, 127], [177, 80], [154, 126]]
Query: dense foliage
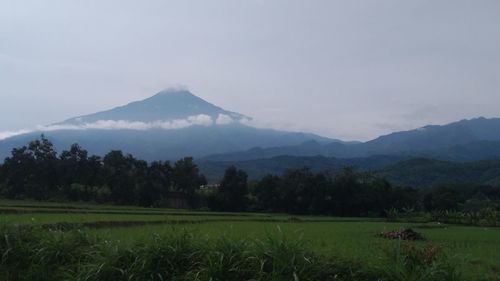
[[349, 193], [400, 170], [37, 171], [422, 172]]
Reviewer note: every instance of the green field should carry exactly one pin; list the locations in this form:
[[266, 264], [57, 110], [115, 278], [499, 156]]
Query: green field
[[477, 249]]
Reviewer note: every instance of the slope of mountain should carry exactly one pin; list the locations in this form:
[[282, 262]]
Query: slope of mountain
[[466, 140], [432, 138], [158, 144], [309, 148], [176, 123], [165, 105], [416, 172], [428, 172], [167, 126], [257, 168]]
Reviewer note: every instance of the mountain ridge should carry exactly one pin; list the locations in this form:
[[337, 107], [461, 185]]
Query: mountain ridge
[[399, 170], [465, 140], [166, 126], [165, 105], [176, 123]]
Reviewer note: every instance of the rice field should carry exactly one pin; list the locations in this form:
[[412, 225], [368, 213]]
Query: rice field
[[476, 250]]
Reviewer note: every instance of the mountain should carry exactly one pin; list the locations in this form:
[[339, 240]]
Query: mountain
[[466, 140], [176, 123], [433, 138], [166, 105], [167, 126]]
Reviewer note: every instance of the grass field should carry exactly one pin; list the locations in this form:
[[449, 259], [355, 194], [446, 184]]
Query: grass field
[[476, 249]]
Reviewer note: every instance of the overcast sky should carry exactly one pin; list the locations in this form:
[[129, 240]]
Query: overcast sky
[[344, 69]]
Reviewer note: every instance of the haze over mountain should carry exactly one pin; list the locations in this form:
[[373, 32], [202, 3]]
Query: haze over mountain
[[166, 105], [175, 123], [167, 126], [464, 140]]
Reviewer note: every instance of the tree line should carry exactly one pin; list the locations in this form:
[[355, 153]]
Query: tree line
[[37, 171]]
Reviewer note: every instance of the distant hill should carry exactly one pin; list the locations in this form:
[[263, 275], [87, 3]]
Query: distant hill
[[257, 168], [466, 140], [429, 139], [399, 170], [428, 172], [309, 148]]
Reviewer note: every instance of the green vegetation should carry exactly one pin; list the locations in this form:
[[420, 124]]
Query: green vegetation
[[429, 172], [32, 254], [398, 170], [231, 246], [333, 232], [37, 171]]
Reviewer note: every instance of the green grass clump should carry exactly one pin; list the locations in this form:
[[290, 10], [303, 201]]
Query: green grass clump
[[31, 253], [409, 262], [28, 253]]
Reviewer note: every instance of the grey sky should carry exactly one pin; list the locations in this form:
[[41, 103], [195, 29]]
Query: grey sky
[[344, 69]]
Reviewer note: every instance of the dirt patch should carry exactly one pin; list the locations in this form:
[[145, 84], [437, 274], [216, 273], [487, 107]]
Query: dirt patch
[[403, 234]]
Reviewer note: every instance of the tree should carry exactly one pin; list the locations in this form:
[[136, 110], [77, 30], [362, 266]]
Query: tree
[[156, 185], [93, 175], [443, 198], [266, 192], [119, 176], [346, 193], [72, 168], [17, 173], [233, 190], [31, 170], [45, 172], [186, 178]]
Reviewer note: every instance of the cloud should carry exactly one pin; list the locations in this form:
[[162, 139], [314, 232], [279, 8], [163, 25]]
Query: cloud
[[195, 120], [224, 119], [8, 134]]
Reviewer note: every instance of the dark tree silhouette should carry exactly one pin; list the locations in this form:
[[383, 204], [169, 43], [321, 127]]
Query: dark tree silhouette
[[36, 171], [233, 191]]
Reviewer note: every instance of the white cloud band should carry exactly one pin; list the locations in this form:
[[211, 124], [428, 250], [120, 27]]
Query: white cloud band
[[195, 120]]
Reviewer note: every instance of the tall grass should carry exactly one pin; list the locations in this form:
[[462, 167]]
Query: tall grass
[[408, 262], [30, 253]]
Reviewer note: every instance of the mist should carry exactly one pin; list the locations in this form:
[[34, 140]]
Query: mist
[[195, 120], [351, 70]]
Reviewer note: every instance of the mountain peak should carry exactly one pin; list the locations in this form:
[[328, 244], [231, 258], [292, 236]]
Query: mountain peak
[[167, 105], [174, 92]]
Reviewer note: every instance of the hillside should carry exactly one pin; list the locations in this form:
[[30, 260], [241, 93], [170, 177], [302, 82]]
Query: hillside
[[257, 168], [466, 140], [427, 172], [417, 172]]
